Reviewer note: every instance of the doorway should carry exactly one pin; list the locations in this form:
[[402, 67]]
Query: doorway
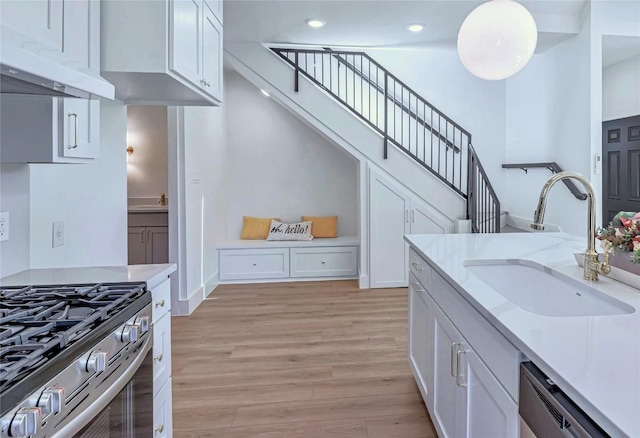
[[621, 166]]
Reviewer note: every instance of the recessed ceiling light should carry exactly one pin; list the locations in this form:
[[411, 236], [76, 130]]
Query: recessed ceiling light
[[264, 92], [415, 27], [314, 22]]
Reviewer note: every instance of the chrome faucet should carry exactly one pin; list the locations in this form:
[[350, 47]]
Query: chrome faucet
[[591, 264]]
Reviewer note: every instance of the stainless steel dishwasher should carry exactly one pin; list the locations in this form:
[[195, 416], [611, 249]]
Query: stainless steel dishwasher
[[548, 412]]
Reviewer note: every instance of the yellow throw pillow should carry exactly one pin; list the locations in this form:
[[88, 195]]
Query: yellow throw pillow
[[255, 228], [325, 226]]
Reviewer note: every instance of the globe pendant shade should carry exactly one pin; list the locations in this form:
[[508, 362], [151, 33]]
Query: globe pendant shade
[[497, 39]]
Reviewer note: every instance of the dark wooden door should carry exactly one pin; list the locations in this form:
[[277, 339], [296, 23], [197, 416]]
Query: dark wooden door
[[620, 166]]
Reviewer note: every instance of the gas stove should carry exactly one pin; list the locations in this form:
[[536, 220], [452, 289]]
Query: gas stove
[[63, 335]]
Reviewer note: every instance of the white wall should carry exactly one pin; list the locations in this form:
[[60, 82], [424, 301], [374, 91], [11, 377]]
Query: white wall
[[147, 170], [91, 199], [621, 89], [14, 198], [547, 119], [279, 167]]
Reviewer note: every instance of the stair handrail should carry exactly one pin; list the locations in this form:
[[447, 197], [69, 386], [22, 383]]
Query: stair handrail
[[479, 193], [553, 167]]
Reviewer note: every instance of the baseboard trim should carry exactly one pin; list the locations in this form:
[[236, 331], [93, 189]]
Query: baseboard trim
[[284, 280], [363, 282], [211, 284], [186, 307]]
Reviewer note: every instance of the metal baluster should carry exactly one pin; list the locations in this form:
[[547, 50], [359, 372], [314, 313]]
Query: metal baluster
[[446, 150], [439, 141], [386, 116], [361, 87], [297, 73], [460, 161], [402, 117]]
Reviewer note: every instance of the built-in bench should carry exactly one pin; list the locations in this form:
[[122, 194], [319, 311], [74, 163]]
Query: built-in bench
[[252, 261]]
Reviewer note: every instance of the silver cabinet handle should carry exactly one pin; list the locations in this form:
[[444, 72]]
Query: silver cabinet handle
[[75, 143], [160, 428], [454, 350], [416, 266], [142, 236], [148, 236], [412, 216], [160, 303], [460, 376], [417, 287], [158, 358], [406, 216]]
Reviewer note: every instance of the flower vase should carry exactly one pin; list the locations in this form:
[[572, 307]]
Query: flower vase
[[622, 260]]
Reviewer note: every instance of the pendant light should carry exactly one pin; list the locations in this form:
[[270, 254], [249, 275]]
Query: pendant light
[[497, 39]]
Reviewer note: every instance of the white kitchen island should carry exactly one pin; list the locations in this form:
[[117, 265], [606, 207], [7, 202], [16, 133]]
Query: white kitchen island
[[595, 360], [158, 282]]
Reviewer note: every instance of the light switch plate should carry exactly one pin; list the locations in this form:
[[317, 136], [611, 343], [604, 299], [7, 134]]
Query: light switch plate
[[4, 226], [57, 234]]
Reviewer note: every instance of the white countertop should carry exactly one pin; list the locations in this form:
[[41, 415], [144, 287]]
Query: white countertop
[[151, 274], [595, 360]]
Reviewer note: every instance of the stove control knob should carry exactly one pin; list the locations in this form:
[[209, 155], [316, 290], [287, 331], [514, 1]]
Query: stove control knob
[[51, 401], [26, 422], [97, 361], [143, 324], [129, 333]]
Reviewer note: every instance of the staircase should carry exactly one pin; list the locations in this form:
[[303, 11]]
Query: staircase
[[404, 120]]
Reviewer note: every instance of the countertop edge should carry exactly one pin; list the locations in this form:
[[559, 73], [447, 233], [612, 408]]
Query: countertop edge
[[596, 414]]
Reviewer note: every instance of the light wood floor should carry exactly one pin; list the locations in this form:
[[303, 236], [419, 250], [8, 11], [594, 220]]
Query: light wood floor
[[321, 359]]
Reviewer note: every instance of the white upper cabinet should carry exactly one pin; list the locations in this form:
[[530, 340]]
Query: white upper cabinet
[[44, 26], [69, 130], [163, 51]]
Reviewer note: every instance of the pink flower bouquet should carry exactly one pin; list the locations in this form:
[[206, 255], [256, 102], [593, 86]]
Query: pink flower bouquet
[[622, 234]]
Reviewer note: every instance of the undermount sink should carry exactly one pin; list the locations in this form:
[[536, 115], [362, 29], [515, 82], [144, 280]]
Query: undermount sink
[[541, 290]]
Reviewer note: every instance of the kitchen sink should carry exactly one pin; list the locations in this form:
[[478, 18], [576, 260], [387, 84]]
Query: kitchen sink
[[544, 291]]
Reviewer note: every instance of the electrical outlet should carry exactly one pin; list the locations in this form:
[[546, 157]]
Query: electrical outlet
[[57, 235], [4, 226]]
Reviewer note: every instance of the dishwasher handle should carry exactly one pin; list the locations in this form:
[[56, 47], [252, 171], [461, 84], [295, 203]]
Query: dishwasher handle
[[548, 412]]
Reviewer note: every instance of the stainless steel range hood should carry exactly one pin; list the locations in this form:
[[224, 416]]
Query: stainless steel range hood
[[22, 72]]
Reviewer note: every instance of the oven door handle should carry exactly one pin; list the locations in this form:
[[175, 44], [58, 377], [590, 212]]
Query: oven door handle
[[83, 418]]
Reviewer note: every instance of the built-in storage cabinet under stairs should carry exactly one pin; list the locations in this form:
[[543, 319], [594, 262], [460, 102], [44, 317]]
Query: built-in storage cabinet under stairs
[[259, 260], [467, 372], [394, 212]]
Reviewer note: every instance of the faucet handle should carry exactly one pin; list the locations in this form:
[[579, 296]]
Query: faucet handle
[[604, 267]]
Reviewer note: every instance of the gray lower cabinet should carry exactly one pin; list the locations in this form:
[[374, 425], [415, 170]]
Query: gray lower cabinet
[[148, 244]]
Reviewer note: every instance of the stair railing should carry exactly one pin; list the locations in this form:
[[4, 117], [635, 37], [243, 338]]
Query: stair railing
[[553, 167], [405, 120]]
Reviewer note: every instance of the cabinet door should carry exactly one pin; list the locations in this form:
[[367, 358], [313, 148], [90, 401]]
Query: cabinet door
[[216, 7], [421, 331], [41, 21], [388, 222], [449, 399], [137, 246], [185, 51], [80, 120], [157, 245], [490, 410], [79, 21], [426, 220], [163, 412], [211, 54], [161, 352]]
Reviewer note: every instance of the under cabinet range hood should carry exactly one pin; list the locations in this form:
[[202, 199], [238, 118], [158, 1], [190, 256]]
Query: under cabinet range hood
[[22, 72]]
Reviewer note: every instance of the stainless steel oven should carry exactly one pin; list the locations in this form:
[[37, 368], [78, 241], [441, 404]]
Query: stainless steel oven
[[129, 414], [76, 361]]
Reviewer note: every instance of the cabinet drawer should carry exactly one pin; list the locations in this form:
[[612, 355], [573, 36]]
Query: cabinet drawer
[[324, 262], [161, 352], [420, 268], [496, 352], [163, 412], [254, 264], [161, 299]]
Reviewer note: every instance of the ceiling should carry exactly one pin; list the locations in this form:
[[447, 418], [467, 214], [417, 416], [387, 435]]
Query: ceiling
[[376, 23], [616, 49]]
